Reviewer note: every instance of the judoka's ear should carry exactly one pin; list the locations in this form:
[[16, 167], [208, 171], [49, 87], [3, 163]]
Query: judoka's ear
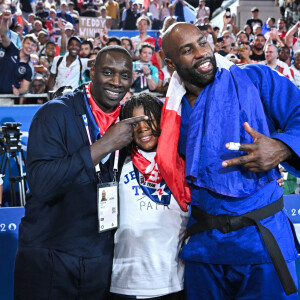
[[170, 64]]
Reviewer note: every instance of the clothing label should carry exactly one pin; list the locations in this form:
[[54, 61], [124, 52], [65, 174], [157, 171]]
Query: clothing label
[[108, 206]]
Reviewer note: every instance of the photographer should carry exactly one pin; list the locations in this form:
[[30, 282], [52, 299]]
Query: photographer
[[145, 75]]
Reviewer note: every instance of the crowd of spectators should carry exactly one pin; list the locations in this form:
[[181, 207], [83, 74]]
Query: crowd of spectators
[[40, 50]]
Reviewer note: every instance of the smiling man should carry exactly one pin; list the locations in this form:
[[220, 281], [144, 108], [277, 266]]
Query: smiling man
[[238, 232], [61, 254], [17, 64], [68, 70]]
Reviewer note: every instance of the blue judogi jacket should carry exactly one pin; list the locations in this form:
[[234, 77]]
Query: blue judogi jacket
[[281, 105]]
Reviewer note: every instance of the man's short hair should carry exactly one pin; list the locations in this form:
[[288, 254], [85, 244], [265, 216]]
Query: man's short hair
[[114, 39], [114, 48], [241, 32], [87, 42], [32, 37], [259, 35], [146, 45]]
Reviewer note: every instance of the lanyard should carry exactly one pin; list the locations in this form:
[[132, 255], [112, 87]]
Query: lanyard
[[117, 152]]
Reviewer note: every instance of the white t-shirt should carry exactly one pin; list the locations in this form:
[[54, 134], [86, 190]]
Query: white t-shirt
[[147, 242], [68, 75], [296, 75], [136, 41]]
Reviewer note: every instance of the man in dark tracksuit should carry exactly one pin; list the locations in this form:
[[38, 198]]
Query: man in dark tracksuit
[[61, 255]]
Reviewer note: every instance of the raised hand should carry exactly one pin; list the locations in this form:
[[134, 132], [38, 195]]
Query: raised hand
[[263, 154]]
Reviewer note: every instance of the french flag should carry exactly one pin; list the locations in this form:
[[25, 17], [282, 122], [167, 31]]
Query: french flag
[[171, 165]]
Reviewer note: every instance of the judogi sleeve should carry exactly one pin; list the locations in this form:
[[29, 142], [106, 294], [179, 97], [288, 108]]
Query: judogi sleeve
[[281, 101]]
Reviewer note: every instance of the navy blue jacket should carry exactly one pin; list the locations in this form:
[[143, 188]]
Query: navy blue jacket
[[61, 207]]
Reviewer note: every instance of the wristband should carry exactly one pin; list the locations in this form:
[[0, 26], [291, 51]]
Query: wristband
[[149, 76]]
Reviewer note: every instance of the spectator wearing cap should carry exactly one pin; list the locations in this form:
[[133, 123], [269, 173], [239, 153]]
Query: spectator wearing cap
[[68, 70], [37, 27], [202, 11], [130, 15], [64, 14], [271, 54], [69, 31], [89, 9], [112, 8], [103, 19], [254, 20], [17, 65], [71, 10], [41, 12]]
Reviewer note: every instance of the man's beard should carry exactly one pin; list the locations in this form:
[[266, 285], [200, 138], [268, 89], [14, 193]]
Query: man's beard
[[199, 79]]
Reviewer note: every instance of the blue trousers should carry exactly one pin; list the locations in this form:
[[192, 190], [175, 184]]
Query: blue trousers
[[49, 274], [238, 282]]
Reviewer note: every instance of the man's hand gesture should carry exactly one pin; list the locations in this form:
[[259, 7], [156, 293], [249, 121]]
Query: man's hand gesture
[[263, 154]]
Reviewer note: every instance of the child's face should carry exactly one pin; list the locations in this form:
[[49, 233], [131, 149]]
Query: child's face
[[142, 133]]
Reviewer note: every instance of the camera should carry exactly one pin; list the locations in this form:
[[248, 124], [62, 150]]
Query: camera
[[10, 137], [139, 67]]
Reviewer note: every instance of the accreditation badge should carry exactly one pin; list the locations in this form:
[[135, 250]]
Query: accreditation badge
[[108, 206]]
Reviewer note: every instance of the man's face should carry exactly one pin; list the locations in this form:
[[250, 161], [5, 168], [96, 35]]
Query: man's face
[[29, 47], [190, 55], [297, 62], [103, 13], [69, 33], [280, 24], [242, 38], [227, 39], [143, 26], [39, 7], [63, 8], [52, 15], [271, 54], [146, 54], [50, 50], [85, 50], [134, 7], [31, 19], [259, 43], [74, 47], [111, 79], [284, 54], [255, 15], [125, 44], [257, 30], [38, 87], [38, 26]]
